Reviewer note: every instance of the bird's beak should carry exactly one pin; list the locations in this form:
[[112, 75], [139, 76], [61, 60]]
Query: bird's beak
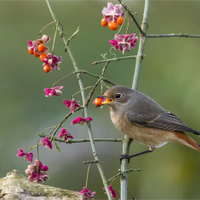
[[106, 101]]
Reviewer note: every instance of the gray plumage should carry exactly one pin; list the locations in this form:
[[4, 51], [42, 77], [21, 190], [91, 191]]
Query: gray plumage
[[144, 111]]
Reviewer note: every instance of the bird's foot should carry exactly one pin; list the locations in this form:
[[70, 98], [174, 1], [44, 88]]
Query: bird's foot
[[124, 156]]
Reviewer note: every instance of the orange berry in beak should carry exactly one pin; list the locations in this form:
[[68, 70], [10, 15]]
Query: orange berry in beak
[[98, 101]]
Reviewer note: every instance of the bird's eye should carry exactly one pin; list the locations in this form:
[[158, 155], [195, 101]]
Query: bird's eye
[[118, 96]]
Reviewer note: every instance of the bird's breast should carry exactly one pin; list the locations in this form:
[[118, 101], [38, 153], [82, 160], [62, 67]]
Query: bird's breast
[[148, 136]]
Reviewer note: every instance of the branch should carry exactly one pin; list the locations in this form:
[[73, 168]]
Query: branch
[[132, 16], [46, 27], [113, 59], [85, 140], [73, 35], [83, 99], [186, 35], [121, 174], [139, 58], [85, 72], [141, 46], [95, 75]]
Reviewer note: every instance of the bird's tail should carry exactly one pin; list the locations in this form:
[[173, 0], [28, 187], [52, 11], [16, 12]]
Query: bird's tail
[[186, 140]]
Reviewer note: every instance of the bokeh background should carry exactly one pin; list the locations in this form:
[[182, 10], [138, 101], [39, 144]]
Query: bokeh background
[[170, 74]]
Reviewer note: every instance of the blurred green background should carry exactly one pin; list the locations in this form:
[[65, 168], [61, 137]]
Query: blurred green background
[[170, 74]]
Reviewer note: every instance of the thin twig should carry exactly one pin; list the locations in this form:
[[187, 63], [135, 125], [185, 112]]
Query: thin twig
[[91, 92], [186, 35], [85, 72], [114, 59], [104, 69], [73, 35], [87, 176], [84, 140], [80, 91], [54, 41], [132, 16], [62, 79], [46, 27], [121, 174], [133, 198], [96, 84], [95, 75], [90, 162]]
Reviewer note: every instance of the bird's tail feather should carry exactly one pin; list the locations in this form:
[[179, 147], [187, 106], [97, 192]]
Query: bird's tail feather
[[195, 132], [186, 140]]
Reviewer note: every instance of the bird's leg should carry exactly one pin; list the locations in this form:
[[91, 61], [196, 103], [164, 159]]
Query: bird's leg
[[123, 156]]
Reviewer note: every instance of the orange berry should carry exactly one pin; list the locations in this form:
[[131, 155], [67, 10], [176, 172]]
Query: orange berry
[[30, 51], [112, 25], [41, 48], [120, 20], [98, 101], [36, 55], [104, 22], [47, 68], [43, 55]]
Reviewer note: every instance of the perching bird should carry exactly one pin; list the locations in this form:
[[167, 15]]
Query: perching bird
[[144, 120]]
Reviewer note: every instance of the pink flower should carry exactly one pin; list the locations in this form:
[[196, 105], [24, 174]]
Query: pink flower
[[47, 142], [56, 91], [124, 42], [53, 61], [37, 172], [71, 104], [20, 153], [112, 12], [87, 193], [112, 192], [65, 134], [33, 45], [80, 120], [28, 156]]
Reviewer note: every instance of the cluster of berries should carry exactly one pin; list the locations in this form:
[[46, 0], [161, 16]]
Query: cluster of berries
[[112, 25], [113, 16], [38, 49]]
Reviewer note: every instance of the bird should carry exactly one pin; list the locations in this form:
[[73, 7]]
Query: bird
[[144, 120]]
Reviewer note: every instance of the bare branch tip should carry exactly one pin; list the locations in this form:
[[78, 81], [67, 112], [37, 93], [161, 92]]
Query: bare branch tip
[[90, 161]]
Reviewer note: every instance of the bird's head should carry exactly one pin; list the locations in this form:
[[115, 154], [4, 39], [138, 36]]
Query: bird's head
[[117, 96]]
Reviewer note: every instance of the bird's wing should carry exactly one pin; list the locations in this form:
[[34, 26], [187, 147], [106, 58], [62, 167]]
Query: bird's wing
[[166, 121]]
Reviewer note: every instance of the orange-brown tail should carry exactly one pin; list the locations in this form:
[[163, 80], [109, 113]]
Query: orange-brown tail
[[186, 140]]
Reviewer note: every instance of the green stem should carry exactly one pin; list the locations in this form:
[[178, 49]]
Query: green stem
[[46, 27], [85, 108], [84, 140], [186, 35], [121, 174], [114, 59], [74, 34], [139, 58], [132, 16], [35, 146], [91, 92], [84, 72], [54, 40], [142, 39]]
